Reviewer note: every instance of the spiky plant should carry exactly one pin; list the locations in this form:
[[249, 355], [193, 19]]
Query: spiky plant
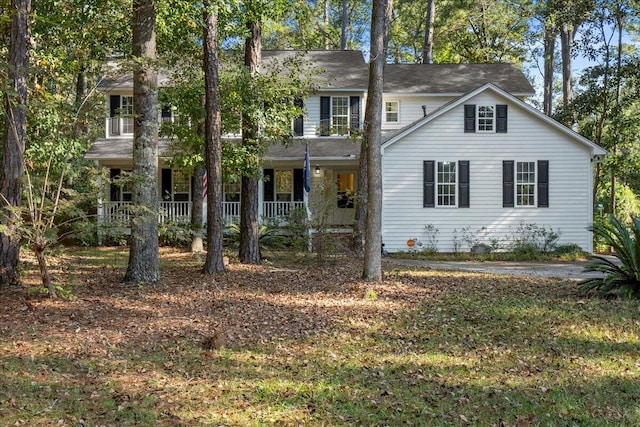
[[622, 277]]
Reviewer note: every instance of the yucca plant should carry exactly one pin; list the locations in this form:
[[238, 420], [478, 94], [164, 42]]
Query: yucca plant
[[621, 277]]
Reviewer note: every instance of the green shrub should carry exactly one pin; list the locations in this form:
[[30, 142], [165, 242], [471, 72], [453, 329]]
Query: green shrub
[[621, 278], [175, 234]]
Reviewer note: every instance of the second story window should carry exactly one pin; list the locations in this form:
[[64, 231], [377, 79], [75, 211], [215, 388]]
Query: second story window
[[485, 118], [121, 114], [339, 115], [391, 112]]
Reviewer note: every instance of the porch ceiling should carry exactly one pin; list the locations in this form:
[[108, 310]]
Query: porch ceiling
[[319, 149], [118, 149], [121, 149]]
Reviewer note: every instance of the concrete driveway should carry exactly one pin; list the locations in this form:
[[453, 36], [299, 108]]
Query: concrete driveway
[[560, 270]]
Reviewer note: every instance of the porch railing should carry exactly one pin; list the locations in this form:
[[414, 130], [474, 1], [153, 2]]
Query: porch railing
[[279, 209], [119, 213]]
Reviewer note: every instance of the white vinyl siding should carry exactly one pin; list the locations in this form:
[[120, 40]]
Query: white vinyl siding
[[528, 140]]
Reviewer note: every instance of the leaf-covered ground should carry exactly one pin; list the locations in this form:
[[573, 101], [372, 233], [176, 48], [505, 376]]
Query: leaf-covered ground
[[303, 344]]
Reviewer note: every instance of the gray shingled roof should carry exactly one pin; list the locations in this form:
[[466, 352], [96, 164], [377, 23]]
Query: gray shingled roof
[[454, 78], [118, 149], [332, 69]]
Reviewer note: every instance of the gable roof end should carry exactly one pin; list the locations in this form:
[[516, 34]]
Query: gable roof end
[[391, 139]]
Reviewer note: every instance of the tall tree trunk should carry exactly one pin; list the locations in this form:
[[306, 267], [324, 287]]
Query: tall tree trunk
[[619, 23], [15, 131], [380, 18], [549, 59], [345, 24], [197, 211], [427, 50], [327, 40], [361, 204], [213, 146], [249, 251], [143, 264], [567, 33]]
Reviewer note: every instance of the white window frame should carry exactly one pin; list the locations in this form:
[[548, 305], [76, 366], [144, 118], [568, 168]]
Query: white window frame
[[386, 112], [441, 184], [126, 114], [526, 178], [486, 118], [335, 128]]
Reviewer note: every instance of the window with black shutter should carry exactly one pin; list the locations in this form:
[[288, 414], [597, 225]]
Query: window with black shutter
[[469, 118], [429, 200], [543, 183], [298, 122], [463, 184], [501, 118], [507, 184], [325, 115], [354, 106], [268, 180]]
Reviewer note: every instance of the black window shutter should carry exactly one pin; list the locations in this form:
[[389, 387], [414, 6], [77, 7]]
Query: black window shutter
[[501, 118], [543, 183], [429, 200], [114, 105], [325, 115], [470, 118], [166, 111], [507, 184], [166, 184], [463, 183], [354, 107], [268, 179], [298, 122], [298, 185], [114, 189]]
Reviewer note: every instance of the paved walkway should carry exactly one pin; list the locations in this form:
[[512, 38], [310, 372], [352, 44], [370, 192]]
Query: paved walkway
[[561, 270]]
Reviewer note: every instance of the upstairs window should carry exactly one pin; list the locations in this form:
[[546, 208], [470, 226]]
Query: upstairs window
[[392, 111], [339, 115], [485, 118]]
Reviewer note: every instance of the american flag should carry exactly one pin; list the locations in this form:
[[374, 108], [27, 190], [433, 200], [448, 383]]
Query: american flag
[[204, 186]]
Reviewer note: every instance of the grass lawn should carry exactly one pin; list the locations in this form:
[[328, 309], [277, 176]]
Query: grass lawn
[[313, 345]]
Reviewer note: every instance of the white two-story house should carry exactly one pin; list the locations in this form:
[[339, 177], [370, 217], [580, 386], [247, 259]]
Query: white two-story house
[[461, 151]]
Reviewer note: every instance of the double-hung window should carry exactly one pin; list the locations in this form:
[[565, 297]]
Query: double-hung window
[[392, 112], [340, 114], [486, 117], [446, 184], [525, 183]]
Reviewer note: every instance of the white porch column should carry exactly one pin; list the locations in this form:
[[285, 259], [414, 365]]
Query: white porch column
[[260, 198]]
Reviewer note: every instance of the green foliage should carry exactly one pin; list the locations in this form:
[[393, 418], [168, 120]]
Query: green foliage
[[531, 238], [297, 230], [175, 234], [269, 236], [623, 277]]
